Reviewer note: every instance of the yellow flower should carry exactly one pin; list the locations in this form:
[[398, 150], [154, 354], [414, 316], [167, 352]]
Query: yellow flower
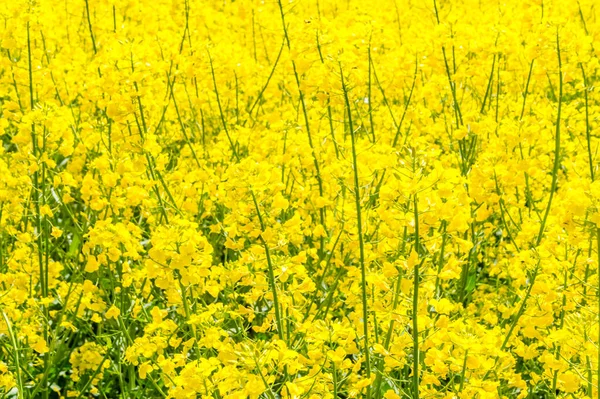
[[390, 394], [569, 382], [144, 369], [56, 232], [112, 313], [45, 210], [92, 264]]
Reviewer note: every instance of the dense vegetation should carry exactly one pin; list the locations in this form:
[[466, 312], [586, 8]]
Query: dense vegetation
[[299, 199]]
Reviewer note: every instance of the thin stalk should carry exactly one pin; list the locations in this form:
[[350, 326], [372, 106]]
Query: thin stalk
[[456, 106], [369, 95], [528, 196], [562, 322], [272, 394], [271, 273], [556, 146], [38, 191], [437, 291], [94, 374], [592, 177], [262, 91], [498, 87], [89, 21], [186, 308], [181, 125], [598, 310], [588, 360], [517, 317], [587, 123], [390, 332], [308, 132], [464, 372], [487, 90], [407, 103], [526, 90], [233, 146], [361, 243], [14, 342], [415, 306], [329, 113], [335, 382], [273, 287], [538, 240]]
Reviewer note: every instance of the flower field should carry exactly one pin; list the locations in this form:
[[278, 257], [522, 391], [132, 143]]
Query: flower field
[[313, 199]]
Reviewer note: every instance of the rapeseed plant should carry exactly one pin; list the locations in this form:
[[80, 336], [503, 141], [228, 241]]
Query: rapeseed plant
[[299, 199]]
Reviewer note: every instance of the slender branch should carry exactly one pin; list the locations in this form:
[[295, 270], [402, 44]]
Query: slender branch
[[361, 243]]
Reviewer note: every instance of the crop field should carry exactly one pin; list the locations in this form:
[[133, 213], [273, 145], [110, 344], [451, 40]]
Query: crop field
[[299, 199]]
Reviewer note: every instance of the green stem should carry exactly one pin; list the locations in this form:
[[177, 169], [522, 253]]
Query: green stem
[[464, 372], [552, 190], [13, 340], [273, 287], [38, 192], [308, 133], [556, 147], [360, 236], [369, 95], [437, 291], [456, 106], [587, 123], [598, 310], [231, 143], [89, 21], [415, 306]]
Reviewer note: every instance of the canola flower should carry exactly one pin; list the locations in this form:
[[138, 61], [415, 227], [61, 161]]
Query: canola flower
[[299, 199]]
